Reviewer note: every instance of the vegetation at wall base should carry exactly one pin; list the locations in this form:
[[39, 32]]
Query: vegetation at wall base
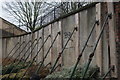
[[20, 69], [66, 72], [63, 74]]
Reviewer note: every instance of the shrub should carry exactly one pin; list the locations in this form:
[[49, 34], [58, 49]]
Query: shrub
[[66, 72]]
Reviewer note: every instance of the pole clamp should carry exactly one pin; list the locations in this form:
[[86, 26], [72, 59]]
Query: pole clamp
[[49, 35], [59, 32], [110, 15], [79, 56], [97, 22], [91, 55], [76, 28], [113, 68], [59, 54]]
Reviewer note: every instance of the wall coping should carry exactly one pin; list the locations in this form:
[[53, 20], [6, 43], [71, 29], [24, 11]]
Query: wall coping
[[59, 18]]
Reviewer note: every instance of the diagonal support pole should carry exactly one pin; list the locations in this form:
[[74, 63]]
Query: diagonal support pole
[[60, 54], [15, 51], [10, 52], [81, 53], [18, 55], [24, 55], [34, 58], [95, 46], [47, 53], [111, 69], [28, 55]]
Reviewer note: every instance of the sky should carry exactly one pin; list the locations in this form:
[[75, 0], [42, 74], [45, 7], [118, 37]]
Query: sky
[[4, 15], [0, 9]]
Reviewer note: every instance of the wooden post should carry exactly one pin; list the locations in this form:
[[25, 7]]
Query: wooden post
[[32, 39], [77, 47], [43, 33], [24, 39], [1, 49], [40, 42], [20, 39], [59, 40], [112, 38], [51, 39], [37, 45], [5, 48], [52, 52], [99, 58]]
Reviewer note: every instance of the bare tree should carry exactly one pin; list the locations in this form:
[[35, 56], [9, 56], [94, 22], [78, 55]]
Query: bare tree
[[62, 8], [26, 13], [70, 6]]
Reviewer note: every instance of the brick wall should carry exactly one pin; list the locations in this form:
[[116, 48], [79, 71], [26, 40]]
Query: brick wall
[[105, 40], [117, 31]]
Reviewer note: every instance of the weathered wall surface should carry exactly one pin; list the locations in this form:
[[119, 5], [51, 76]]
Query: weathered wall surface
[[84, 21], [117, 29], [69, 52], [87, 19]]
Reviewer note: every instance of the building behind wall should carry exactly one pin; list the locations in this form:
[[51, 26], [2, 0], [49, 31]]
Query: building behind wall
[[9, 29]]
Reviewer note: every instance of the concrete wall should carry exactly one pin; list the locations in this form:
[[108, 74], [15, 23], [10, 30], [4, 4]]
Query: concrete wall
[[69, 55], [83, 20]]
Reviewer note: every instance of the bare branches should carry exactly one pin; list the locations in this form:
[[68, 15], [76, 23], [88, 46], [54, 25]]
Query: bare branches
[[27, 13]]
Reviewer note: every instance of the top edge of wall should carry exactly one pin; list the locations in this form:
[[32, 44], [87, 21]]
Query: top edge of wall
[[59, 18]]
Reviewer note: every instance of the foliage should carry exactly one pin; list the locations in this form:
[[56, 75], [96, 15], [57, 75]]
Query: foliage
[[92, 73], [66, 72], [14, 67], [20, 69], [12, 75]]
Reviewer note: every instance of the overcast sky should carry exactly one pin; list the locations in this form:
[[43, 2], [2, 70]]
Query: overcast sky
[[0, 9], [5, 16]]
